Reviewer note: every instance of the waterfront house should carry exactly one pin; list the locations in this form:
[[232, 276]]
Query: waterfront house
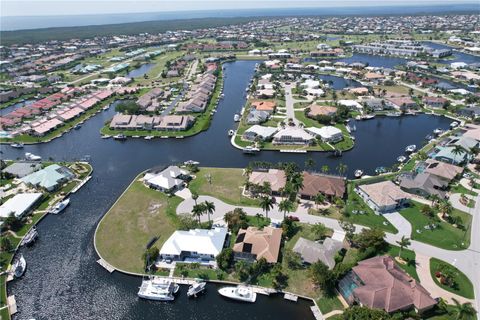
[[19, 204], [194, 246], [423, 184], [351, 104], [263, 105], [329, 134], [168, 180], [403, 103], [22, 169], [317, 110], [377, 104], [382, 196], [311, 251], [257, 117], [470, 112], [252, 244], [380, 283], [446, 154], [274, 177], [259, 132], [442, 170], [466, 143], [435, 102], [49, 178], [175, 123], [330, 186], [292, 136]]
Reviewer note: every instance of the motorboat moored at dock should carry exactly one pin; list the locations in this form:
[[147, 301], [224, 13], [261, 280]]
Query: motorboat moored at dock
[[358, 173], [240, 293], [120, 137], [159, 289], [231, 132], [236, 117], [30, 237], [401, 159], [411, 148], [59, 207], [32, 157], [196, 288], [17, 145], [19, 266], [250, 150]]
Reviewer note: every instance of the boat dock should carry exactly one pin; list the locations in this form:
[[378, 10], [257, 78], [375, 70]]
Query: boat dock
[[293, 151], [291, 297], [264, 291], [12, 305], [316, 312], [106, 265], [81, 184]]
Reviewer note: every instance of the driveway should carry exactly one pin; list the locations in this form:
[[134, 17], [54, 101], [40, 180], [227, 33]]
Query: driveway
[[398, 221]]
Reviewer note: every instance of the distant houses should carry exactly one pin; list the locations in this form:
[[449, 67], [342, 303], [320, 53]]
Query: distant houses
[[145, 122]]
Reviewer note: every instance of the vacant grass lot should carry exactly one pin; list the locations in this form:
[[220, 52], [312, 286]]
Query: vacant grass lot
[[446, 236], [463, 286], [139, 215], [225, 184]]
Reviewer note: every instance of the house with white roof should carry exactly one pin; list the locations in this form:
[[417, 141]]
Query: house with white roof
[[293, 136], [19, 205], [351, 104], [260, 132], [327, 133], [168, 180], [198, 245]]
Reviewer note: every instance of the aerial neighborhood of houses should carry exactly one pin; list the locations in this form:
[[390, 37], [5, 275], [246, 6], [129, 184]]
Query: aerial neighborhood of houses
[[394, 241]]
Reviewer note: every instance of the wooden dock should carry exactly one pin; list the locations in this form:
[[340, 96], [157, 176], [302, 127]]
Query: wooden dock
[[316, 312], [264, 291], [291, 297], [106, 265], [12, 305], [293, 151]]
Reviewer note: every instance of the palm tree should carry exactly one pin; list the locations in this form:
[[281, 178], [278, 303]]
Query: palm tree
[[342, 168], [309, 164], [258, 215], [319, 199], [457, 150], [319, 230], [209, 208], [285, 206], [297, 181], [198, 210], [403, 243], [463, 311], [435, 198], [325, 168], [266, 203], [445, 208], [195, 197]]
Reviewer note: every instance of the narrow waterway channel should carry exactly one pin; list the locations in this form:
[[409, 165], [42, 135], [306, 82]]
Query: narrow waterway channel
[[63, 281]]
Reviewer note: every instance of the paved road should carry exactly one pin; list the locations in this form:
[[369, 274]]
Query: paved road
[[289, 102]]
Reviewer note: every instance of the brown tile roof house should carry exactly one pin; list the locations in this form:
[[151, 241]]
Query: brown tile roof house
[[327, 185], [382, 196], [276, 178], [403, 102], [384, 285], [252, 243], [316, 110], [443, 170], [260, 105], [175, 123]]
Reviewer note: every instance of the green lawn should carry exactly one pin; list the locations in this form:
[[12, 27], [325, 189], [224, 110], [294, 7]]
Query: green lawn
[[139, 215], [463, 286], [458, 188], [407, 255], [225, 184], [445, 236]]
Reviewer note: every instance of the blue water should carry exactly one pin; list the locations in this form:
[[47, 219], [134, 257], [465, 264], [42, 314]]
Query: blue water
[[36, 22], [140, 71]]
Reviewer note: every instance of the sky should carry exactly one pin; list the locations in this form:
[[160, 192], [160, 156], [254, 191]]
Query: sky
[[87, 7]]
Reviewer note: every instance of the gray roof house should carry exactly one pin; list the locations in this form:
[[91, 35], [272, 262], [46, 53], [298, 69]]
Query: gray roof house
[[22, 169], [423, 184], [256, 117], [311, 251]]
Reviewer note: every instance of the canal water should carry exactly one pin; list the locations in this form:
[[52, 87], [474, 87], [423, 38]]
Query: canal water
[[63, 281]]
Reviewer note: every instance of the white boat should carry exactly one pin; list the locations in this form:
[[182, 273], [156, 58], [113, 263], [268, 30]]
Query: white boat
[[393, 114], [236, 117], [438, 131], [149, 137], [250, 150], [120, 137], [30, 237], [17, 145], [158, 289], [19, 266], [239, 293], [196, 288], [59, 207], [32, 157], [106, 137], [411, 148], [358, 173], [368, 116], [401, 159], [191, 162], [231, 132], [454, 124], [106, 107]]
